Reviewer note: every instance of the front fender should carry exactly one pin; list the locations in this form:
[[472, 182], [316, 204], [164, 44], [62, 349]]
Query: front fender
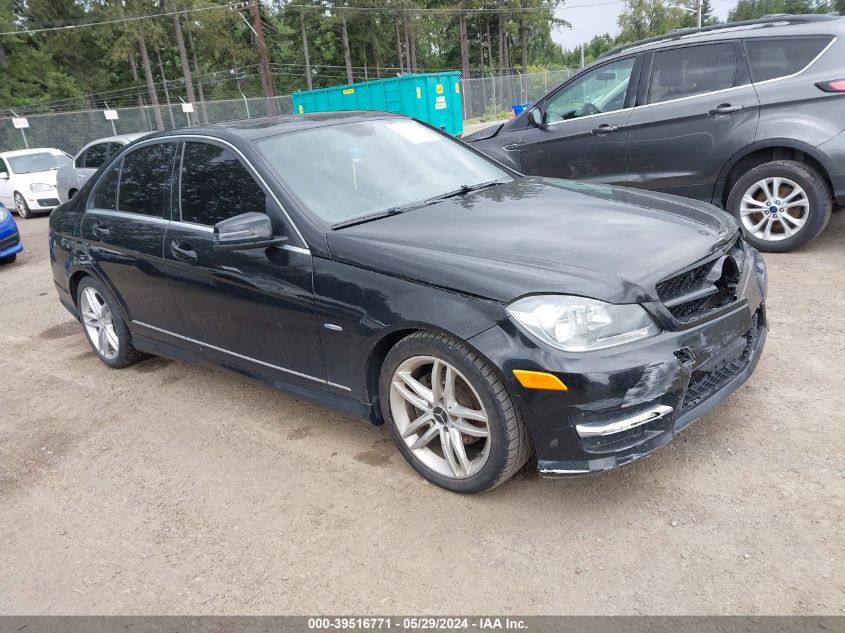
[[361, 313]]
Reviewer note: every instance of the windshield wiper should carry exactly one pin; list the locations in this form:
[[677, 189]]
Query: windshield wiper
[[378, 215], [464, 189]]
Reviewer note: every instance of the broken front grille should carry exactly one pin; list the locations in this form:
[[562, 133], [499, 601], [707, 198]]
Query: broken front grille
[[706, 383], [694, 293], [684, 283]]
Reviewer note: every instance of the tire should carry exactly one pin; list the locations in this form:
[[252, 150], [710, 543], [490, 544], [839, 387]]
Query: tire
[[22, 207], [750, 203], [8, 260], [119, 355], [490, 459]]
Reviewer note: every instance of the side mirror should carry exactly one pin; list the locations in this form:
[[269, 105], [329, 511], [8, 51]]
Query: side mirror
[[536, 118], [245, 232], [4, 175]]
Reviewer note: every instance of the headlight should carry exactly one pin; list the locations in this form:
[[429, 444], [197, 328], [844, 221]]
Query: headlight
[[3, 213], [576, 324], [40, 186]]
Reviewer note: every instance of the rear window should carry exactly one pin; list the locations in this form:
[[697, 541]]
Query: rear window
[[782, 56]]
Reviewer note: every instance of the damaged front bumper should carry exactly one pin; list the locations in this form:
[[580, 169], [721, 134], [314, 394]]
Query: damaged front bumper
[[623, 403]]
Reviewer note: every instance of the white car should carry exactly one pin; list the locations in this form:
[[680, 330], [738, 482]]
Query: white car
[[90, 158], [28, 179]]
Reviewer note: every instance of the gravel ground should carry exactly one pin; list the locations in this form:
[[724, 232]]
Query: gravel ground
[[168, 488]]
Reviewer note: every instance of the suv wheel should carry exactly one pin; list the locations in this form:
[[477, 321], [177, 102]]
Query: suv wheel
[[449, 414], [780, 205]]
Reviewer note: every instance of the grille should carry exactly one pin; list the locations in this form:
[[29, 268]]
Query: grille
[[48, 202], [8, 242], [674, 288], [684, 283], [704, 384]]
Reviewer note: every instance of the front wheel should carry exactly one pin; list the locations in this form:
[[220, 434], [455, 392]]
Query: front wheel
[[780, 205], [22, 207], [9, 259], [449, 414]]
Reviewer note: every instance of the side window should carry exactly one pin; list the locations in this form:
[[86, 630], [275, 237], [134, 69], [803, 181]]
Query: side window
[[145, 180], [215, 185], [105, 195], [782, 56], [3, 166], [600, 90], [693, 70], [94, 156], [114, 148]]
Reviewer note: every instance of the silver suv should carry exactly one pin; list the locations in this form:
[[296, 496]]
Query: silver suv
[[749, 116]]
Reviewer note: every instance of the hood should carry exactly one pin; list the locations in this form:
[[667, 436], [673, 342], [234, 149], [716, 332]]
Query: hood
[[537, 235], [48, 177], [482, 134]]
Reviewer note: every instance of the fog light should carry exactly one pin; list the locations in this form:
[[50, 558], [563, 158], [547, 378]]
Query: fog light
[[539, 380]]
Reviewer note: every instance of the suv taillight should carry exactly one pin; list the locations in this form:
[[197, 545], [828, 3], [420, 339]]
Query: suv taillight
[[837, 85]]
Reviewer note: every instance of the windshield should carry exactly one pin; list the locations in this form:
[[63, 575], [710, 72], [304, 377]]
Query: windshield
[[32, 163], [342, 172]]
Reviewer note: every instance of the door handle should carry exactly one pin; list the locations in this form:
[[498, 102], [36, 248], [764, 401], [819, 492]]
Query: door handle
[[183, 251], [100, 230], [724, 108], [604, 128]]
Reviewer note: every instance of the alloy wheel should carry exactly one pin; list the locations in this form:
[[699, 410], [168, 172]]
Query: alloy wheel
[[440, 417], [20, 206], [774, 209], [99, 323]]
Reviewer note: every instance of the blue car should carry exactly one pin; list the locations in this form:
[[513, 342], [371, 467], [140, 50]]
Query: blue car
[[10, 239]]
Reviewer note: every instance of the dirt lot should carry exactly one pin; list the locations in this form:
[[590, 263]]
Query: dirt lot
[[166, 488]]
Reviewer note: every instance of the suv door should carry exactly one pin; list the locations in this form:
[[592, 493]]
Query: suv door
[[252, 309], [125, 219], [583, 130], [696, 108]]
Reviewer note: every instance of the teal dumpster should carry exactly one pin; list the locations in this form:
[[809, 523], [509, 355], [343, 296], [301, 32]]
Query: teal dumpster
[[431, 97]]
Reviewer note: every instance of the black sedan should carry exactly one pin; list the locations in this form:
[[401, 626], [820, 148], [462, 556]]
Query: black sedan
[[373, 264]]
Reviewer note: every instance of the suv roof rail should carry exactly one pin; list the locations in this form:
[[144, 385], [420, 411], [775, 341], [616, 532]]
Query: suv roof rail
[[768, 20]]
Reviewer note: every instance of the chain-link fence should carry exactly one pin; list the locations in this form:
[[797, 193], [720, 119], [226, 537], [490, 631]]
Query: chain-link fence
[[70, 131], [494, 95]]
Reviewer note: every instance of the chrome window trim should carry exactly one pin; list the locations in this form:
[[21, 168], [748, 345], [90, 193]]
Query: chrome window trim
[[152, 219], [687, 98], [241, 356], [193, 225], [795, 74]]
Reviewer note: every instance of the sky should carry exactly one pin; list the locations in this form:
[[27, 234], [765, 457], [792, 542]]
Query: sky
[[588, 21]]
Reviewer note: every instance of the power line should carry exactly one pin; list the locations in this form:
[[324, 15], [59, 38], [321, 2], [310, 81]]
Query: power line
[[69, 27]]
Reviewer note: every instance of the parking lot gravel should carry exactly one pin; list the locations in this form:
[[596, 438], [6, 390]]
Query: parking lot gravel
[[167, 488]]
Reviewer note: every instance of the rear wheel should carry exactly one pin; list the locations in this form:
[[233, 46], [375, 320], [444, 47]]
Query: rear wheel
[[104, 327], [449, 414], [780, 205], [22, 207]]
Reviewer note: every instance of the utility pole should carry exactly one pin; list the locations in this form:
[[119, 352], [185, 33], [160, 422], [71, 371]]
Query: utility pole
[[305, 50], [264, 66], [700, 2], [148, 75], [186, 68]]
